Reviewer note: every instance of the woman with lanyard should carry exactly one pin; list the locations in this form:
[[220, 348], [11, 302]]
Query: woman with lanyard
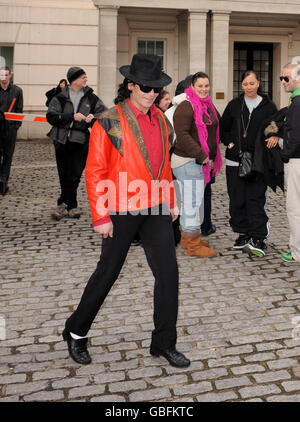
[[195, 158], [240, 124]]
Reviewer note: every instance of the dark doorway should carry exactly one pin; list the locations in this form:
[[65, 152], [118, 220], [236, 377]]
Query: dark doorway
[[253, 56]]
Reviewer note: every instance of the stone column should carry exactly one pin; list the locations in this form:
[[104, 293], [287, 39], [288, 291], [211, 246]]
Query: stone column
[[183, 62], [219, 58], [197, 40], [107, 52]]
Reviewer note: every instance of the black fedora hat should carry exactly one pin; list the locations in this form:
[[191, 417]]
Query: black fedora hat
[[145, 69]]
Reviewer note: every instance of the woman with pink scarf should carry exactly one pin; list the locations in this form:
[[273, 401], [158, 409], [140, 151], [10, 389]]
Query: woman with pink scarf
[[195, 158]]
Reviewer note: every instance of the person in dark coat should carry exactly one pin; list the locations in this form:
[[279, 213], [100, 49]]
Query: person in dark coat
[[290, 81], [54, 91], [71, 113], [11, 100], [240, 125]]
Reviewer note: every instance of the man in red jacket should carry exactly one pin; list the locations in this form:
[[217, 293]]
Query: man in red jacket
[[130, 190]]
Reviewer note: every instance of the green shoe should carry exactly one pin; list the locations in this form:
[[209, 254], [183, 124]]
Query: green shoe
[[288, 257], [257, 247]]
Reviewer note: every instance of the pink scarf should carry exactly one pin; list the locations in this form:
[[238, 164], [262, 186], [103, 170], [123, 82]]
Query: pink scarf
[[200, 106]]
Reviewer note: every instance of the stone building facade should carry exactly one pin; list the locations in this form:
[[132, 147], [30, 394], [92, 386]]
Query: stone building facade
[[41, 39]]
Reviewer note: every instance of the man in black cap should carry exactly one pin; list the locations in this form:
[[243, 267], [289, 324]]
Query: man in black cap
[[130, 190], [71, 113]]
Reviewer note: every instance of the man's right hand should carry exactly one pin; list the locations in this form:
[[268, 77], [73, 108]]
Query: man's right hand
[[105, 229], [79, 117]]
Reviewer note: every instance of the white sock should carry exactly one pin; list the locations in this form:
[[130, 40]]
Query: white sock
[[76, 337]]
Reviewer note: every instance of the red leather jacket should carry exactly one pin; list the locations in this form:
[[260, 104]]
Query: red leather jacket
[[118, 171]]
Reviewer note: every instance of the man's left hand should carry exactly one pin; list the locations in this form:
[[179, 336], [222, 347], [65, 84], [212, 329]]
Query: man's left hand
[[272, 141]]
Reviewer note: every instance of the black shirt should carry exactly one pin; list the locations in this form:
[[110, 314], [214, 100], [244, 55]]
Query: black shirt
[[6, 98]]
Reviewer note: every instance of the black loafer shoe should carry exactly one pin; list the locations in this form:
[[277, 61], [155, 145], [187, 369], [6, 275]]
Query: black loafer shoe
[[77, 348], [174, 357], [3, 186], [210, 231]]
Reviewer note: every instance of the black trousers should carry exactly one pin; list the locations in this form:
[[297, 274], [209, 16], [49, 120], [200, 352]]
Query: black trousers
[[7, 148], [70, 160], [247, 204], [206, 224], [176, 231], [158, 242]]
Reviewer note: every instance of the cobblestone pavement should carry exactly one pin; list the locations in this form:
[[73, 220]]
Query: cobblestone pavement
[[238, 316]]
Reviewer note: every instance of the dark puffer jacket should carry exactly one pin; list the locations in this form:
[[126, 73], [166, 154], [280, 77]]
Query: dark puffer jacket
[[231, 124], [51, 93], [61, 116]]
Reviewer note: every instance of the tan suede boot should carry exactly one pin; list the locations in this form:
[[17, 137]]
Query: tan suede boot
[[196, 249], [185, 236]]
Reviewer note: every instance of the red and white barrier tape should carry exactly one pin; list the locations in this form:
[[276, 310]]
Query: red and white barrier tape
[[20, 117]]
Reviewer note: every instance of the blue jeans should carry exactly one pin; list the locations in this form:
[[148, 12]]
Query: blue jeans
[[190, 181]]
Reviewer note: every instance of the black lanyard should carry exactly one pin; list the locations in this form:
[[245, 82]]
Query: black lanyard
[[245, 128]]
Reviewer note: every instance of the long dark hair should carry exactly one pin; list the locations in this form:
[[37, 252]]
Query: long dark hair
[[58, 88], [252, 72], [63, 80], [123, 92]]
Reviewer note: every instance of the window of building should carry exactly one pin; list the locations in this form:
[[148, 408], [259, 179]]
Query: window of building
[[6, 56], [253, 56], [152, 47]]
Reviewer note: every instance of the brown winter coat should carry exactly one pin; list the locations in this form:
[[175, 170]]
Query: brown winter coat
[[187, 140]]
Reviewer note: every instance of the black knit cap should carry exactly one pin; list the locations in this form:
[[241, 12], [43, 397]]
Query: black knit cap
[[74, 73]]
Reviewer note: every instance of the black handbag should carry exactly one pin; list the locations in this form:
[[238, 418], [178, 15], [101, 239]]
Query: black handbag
[[246, 160], [245, 165]]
